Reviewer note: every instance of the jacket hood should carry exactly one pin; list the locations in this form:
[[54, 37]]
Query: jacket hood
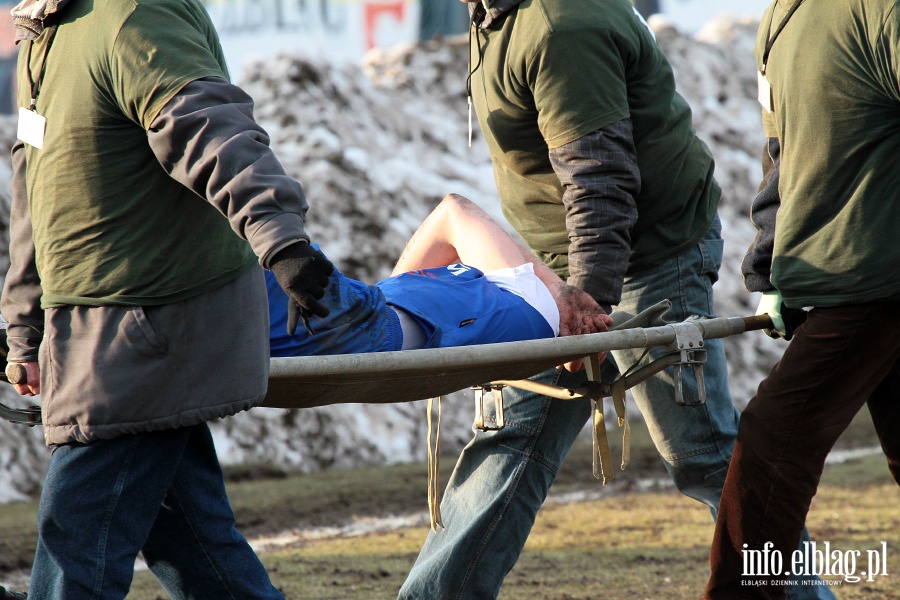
[[489, 11], [29, 16]]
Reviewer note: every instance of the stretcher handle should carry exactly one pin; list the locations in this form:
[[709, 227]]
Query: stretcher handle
[[757, 322], [16, 374], [31, 416]]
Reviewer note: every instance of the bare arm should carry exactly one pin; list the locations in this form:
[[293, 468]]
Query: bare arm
[[458, 230]]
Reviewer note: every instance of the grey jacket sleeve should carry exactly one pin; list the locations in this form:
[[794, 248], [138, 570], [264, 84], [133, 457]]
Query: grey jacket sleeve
[[757, 264], [21, 303], [207, 139], [601, 179]]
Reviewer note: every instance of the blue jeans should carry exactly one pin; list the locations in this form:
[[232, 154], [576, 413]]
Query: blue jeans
[[160, 493], [502, 477]]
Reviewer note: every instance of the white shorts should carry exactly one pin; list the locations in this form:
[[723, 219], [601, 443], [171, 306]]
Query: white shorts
[[522, 282]]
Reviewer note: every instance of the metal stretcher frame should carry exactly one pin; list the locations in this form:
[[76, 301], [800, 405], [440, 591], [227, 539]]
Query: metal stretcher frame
[[410, 375], [389, 377]]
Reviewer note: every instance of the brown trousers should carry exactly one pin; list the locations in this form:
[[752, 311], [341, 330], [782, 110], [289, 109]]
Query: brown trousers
[[840, 359]]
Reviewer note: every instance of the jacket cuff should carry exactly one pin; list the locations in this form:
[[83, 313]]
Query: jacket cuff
[[757, 283], [276, 234], [24, 344]]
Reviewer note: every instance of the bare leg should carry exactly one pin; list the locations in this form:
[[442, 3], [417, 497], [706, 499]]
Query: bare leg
[[458, 230]]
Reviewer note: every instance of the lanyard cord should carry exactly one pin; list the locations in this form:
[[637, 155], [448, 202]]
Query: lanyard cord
[[472, 25], [36, 84], [476, 19], [771, 40]]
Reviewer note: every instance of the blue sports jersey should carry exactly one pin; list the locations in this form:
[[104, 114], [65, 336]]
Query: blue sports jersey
[[456, 305]]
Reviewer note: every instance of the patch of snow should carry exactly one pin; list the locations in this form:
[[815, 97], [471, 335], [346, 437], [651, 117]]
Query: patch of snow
[[837, 457]]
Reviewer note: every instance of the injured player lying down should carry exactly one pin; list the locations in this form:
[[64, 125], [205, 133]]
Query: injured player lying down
[[461, 280]]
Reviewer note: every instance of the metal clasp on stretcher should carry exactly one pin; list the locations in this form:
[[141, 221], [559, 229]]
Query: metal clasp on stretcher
[[685, 351], [497, 393], [689, 345]]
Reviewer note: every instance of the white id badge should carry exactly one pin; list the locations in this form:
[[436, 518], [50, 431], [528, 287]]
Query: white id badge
[[765, 91], [31, 127]]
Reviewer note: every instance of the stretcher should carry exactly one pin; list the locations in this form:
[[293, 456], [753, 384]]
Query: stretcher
[[405, 376], [410, 375], [388, 377]]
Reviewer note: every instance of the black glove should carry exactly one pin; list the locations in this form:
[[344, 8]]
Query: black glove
[[303, 272], [793, 319]]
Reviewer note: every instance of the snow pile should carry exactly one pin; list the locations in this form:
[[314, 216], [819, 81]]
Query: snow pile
[[376, 146]]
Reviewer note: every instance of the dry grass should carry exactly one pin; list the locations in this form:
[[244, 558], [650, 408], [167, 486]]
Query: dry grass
[[625, 545], [630, 546]]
